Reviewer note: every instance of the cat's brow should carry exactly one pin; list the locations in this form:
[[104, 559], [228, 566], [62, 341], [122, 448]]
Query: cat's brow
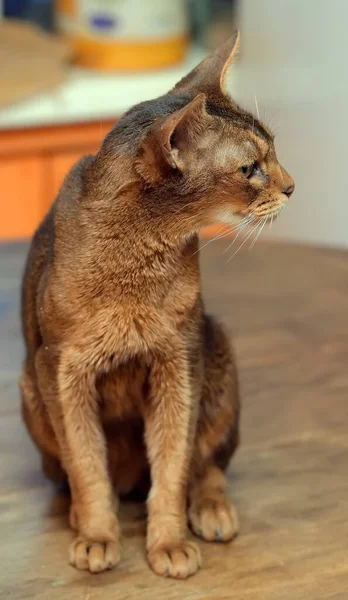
[[241, 118], [261, 132], [261, 144], [258, 128]]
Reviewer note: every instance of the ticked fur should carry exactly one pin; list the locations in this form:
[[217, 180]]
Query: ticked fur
[[127, 383]]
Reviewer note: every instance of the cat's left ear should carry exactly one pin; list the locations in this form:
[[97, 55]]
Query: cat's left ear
[[171, 138], [211, 74]]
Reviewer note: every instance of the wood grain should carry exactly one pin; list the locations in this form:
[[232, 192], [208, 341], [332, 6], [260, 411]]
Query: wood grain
[[35, 61], [287, 307]]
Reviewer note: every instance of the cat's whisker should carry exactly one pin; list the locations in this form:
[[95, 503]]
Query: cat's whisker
[[245, 221], [257, 107], [233, 241], [250, 217], [217, 237], [240, 231], [244, 242], [258, 234], [237, 227], [271, 221], [220, 232]]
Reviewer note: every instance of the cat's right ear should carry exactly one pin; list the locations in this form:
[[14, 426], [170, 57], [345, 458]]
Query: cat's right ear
[[170, 139]]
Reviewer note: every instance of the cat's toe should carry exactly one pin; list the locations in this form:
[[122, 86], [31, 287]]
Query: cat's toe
[[214, 519], [93, 556], [179, 560]]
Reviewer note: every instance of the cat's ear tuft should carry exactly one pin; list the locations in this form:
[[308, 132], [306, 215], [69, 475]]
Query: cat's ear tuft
[[210, 75], [170, 139]]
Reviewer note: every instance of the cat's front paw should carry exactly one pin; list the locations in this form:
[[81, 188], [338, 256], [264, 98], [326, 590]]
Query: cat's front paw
[[214, 519], [179, 560], [93, 556]]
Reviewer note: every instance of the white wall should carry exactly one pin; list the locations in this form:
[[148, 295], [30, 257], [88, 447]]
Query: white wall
[[294, 57]]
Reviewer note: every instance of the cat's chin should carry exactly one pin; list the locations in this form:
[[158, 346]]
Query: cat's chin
[[275, 213], [226, 216]]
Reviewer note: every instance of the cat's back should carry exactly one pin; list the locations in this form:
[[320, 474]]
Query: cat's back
[[41, 251]]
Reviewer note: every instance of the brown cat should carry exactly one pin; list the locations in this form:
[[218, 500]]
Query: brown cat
[[126, 377]]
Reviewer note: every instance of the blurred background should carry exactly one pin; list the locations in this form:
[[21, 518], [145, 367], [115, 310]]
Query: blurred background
[[70, 68]]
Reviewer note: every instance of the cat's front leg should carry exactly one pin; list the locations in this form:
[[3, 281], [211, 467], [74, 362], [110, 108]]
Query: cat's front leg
[[169, 428], [72, 401]]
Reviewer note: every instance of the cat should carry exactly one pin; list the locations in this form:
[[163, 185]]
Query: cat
[[127, 383]]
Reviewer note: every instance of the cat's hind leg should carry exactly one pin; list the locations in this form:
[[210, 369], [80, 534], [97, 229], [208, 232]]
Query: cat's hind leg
[[211, 514], [39, 427]]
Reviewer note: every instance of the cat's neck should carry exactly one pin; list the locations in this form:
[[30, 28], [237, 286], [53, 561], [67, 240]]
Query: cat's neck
[[124, 207], [123, 223]]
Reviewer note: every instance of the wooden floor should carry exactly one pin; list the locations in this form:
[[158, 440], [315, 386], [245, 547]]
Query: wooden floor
[[288, 309]]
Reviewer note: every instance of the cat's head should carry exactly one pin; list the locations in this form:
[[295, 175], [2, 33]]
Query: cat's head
[[200, 156]]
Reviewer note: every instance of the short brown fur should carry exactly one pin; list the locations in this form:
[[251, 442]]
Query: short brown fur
[[127, 382]]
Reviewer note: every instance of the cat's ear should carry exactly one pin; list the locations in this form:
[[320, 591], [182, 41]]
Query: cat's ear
[[210, 75], [179, 130], [171, 138]]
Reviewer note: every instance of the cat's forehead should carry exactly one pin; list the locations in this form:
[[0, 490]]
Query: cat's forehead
[[231, 113], [257, 143], [250, 147], [236, 146], [244, 142]]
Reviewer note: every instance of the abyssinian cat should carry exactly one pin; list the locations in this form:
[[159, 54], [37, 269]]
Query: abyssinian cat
[[127, 381]]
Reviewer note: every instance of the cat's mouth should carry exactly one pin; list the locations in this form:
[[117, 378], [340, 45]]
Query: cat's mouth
[[274, 214], [269, 213]]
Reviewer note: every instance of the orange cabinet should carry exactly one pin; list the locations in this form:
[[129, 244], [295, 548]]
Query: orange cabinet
[[60, 165], [33, 164], [22, 182]]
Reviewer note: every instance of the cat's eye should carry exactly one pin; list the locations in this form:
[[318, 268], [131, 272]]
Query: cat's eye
[[249, 170]]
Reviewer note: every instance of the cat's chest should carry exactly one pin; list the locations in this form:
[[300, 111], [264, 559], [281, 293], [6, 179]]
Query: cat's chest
[[164, 312], [133, 327], [127, 322], [180, 291]]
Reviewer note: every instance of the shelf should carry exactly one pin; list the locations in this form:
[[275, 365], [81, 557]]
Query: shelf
[[94, 96]]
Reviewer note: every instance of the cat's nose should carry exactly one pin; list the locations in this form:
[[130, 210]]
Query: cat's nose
[[288, 190]]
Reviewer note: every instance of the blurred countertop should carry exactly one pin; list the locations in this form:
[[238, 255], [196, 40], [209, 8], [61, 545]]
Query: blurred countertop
[[92, 95]]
